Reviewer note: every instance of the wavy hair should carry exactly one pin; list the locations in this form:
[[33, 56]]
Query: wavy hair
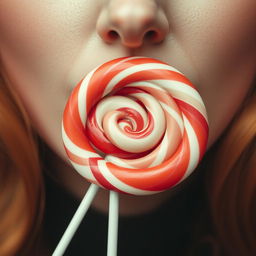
[[231, 184], [227, 225], [21, 183]]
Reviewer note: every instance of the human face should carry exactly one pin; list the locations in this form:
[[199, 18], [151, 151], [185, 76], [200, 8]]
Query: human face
[[47, 46]]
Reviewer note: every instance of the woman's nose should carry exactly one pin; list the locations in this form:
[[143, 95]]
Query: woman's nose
[[133, 22]]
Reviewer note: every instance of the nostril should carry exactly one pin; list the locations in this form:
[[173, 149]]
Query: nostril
[[154, 36], [112, 34], [151, 34]]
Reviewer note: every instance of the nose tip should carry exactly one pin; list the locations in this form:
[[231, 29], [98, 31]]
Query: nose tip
[[132, 22]]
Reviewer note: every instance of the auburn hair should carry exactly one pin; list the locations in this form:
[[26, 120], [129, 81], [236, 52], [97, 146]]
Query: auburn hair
[[230, 182], [21, 182]]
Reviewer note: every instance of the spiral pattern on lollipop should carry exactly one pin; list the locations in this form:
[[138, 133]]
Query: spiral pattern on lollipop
[[135, 125]]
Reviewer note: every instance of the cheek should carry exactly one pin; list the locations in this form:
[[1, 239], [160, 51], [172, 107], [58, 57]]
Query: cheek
[[220, 39], [224, 97], [214, 28], [38, 43], [43, 37]]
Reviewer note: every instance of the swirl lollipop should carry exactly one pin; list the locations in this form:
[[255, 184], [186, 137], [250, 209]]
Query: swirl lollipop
[[135, 125]]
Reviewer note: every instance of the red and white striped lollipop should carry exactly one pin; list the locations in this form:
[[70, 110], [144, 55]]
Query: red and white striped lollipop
[[135, 125]]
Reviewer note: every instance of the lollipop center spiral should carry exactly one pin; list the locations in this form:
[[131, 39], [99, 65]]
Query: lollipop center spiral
[[134, 123]]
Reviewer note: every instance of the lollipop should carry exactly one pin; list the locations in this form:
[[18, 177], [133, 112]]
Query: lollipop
[[135, 125]]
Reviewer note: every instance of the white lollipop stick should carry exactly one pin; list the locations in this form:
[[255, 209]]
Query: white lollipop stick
[[113, 223], [76, 220]]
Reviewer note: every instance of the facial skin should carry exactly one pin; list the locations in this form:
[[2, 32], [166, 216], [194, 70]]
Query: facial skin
[[46, 47]]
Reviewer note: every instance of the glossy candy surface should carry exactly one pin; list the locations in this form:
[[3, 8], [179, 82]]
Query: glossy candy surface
[[135, 125]]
